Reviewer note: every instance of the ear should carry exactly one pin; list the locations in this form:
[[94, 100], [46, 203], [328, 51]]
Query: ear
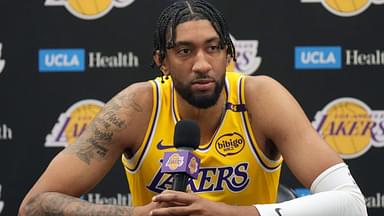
[[229, 59], [162, 67], [156, 58]]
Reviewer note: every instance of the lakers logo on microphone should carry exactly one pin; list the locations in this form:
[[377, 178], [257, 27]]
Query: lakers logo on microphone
[[89, 9], [193, 165], [350, 127], [175, 161]]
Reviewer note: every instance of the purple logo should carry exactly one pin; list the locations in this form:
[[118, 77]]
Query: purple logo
[[181, 161]]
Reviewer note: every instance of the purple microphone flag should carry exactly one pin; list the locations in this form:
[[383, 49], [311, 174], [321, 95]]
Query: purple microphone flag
[[181, 162]]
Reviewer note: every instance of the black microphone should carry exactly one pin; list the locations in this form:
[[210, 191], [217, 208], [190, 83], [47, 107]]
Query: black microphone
[[182, 163], [186, 138]]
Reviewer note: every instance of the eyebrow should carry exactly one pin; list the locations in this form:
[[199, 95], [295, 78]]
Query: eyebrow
[[189, 43]]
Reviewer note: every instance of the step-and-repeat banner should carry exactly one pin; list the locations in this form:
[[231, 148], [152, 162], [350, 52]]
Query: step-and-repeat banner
[[61, 60]]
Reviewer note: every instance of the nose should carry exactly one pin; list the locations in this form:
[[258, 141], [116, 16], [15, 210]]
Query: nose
[[201, 64]]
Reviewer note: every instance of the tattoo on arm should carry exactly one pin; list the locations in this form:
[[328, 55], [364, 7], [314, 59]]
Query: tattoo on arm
[[112, 118], [115, 116], [57, 204], [130, 101]]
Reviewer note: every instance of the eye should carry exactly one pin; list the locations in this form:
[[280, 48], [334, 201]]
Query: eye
[[213, 48], [183, 51]]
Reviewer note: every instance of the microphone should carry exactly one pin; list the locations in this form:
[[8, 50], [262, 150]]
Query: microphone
[[183, 164]]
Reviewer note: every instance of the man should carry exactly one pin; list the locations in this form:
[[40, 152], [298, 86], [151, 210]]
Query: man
[[259, 120]]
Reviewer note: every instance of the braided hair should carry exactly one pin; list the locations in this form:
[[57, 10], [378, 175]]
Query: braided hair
[[186, 10]]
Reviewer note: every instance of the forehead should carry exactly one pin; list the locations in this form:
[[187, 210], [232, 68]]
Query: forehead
[[195, 31]]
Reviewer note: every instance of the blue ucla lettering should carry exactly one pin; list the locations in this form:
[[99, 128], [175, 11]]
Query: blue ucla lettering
[[318, 57], [210, 179], [61, 59]]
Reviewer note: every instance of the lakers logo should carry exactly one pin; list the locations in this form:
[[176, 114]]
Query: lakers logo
[[175, 161], [230, 144], [89, 9], [193, 165], [246, 54], [350, 127], [345, 8], [72, 123]]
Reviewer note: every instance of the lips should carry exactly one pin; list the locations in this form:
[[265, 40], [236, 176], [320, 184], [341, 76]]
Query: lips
[[203, 84], [202, 81]]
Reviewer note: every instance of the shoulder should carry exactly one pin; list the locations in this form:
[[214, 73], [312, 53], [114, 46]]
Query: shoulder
[[130, 110], [135, 97], [263, 88], [269, 102], [138, 88], [260, 82]]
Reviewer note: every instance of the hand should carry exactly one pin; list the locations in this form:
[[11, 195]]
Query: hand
[[145, 210], [187, 204]]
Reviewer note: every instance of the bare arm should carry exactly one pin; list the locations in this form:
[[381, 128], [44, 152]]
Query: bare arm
[[277, 117], [52, 203], [119, 127]]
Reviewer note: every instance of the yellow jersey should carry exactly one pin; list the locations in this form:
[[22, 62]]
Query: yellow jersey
[[233, 169]]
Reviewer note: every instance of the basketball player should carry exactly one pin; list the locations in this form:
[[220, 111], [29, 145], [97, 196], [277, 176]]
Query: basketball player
[[257, 120]]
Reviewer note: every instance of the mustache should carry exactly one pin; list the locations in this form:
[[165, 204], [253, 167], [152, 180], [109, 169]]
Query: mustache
[[202, 77]]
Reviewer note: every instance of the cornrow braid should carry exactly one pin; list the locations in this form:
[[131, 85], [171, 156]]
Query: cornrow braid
[[186, 10]]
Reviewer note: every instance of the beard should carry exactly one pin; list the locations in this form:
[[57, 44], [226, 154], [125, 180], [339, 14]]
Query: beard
[[198, 100]]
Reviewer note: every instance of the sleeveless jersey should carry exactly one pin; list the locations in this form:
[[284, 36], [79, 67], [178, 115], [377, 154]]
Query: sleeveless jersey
[[233, 169]]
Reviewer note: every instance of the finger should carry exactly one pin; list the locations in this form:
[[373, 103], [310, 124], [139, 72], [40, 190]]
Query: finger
[[168, 204], [171, 211], [189, 190], [175, 196]]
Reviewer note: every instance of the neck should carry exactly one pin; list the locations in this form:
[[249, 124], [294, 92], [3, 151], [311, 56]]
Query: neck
[[207, 119]]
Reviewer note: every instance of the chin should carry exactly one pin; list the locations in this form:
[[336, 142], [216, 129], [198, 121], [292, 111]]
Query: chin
[[203, 102]]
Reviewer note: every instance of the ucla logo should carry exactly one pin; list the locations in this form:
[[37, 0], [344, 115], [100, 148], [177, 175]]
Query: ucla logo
[[230, 144], [247, 60], [89, 9], [65, 60], [320, 57], [345, 8], [73, 122], [350, 127], [212, 179]]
